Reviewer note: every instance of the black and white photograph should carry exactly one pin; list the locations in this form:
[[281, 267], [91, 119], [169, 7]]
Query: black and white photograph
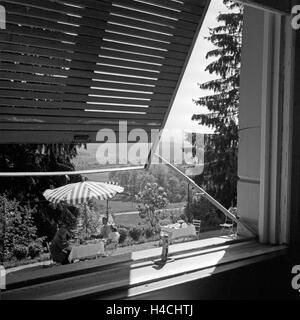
[[149, 152]]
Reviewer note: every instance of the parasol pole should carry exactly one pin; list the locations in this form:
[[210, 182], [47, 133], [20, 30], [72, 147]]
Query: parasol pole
[[85, 217], [107, 209]]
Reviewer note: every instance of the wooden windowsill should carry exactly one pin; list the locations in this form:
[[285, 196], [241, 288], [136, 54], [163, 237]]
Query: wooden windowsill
[[128, 276], [28, 277]]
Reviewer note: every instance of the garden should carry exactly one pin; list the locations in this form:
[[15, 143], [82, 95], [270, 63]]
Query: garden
[[24, 242]]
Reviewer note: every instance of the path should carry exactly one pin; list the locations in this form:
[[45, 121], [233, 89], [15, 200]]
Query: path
[[136, 212]]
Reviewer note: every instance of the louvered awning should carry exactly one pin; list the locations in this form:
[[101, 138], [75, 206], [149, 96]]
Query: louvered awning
[[70, 68]]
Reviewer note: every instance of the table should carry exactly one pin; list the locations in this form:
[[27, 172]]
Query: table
[[86, 251], [175, 233]]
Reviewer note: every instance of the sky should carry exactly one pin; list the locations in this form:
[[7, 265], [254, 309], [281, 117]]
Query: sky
[[184, 107]]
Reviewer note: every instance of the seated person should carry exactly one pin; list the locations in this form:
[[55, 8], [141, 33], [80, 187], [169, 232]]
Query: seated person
[[60, 248], [113, 238], [105, 229]]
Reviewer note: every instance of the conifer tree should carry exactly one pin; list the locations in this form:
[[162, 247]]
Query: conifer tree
[[219, 176]]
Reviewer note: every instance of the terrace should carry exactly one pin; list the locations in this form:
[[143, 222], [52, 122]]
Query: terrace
[[60, 83]]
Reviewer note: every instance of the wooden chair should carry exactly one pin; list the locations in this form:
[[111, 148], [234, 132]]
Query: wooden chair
[[197, 224], [228, 226]]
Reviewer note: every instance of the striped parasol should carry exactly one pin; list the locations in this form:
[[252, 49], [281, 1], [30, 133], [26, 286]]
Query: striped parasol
[[82, 192]]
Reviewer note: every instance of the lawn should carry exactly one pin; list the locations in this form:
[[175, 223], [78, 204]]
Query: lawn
[[127, 219], [116, 206], [120, 208]]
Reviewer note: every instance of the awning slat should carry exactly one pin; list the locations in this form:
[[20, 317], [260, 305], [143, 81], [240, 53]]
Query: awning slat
[[34, 6], [147, 25], [121, 28], [76, 105], [70, 121], [38, 126], [135, 14], [80, 84], [27, 71], [56, 136], [43, 21], [36, 32], [69, 93], [144, 51], [161, 10], [187, 7], [160, 46], [87, 74], [81, 90], [78, 113]]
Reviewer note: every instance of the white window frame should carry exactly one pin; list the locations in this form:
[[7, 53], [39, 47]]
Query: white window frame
[[276, 131]]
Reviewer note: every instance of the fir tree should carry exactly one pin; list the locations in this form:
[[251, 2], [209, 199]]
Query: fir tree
[[219, 176]]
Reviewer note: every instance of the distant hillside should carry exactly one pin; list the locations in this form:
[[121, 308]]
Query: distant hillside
[[173, 152]]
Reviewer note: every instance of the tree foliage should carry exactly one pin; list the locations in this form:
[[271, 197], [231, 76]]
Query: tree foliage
[[152, 197], [20, 231], [135, 181], [29, 190], [2, 230], [202, 209], [219, 176]]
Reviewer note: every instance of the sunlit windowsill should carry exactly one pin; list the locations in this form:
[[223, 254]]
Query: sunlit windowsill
[[133, 274]]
